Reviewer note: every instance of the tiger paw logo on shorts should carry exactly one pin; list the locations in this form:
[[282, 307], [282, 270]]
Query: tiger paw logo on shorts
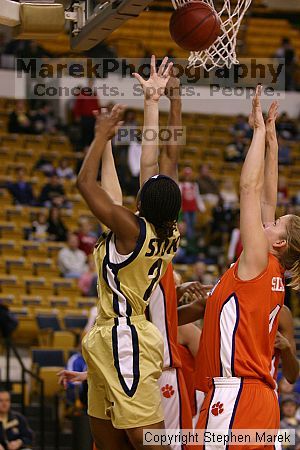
[[167, 391], [217, 408]]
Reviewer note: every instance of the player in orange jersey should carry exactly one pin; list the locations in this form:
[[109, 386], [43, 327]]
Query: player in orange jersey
[[241, 317], [188, 345]]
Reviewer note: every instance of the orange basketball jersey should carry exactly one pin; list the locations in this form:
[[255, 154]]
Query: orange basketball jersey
[[163, 314], [240, 324]]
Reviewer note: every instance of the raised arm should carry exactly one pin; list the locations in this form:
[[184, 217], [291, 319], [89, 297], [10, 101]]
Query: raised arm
[[109, 177], [153, 88], [120, 220], [254, 257], [170, 154], [269, 194]]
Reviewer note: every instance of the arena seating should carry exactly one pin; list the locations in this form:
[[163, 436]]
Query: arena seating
[[29, 278]]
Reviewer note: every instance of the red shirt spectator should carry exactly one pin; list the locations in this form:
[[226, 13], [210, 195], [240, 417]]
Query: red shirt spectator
[[87, 238]]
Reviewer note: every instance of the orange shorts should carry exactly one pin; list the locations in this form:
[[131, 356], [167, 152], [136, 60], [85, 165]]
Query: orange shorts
[[236, 403]]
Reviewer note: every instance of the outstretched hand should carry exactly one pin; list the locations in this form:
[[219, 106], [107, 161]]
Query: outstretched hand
[[70, 376], [256, 120], [155, 86], [271, 118], [173, 86], [107, 124]]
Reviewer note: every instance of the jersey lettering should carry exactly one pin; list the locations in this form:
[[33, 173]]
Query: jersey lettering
[[277, 284], [157, 247]]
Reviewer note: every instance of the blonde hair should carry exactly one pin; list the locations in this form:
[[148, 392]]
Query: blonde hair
[[290, 258]]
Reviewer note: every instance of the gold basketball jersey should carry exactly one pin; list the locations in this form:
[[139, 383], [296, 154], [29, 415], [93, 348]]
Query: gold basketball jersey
[[125, 282]]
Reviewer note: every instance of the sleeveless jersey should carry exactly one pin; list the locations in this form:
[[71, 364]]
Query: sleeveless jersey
[[240, 325], [125, 287], [163, 314]]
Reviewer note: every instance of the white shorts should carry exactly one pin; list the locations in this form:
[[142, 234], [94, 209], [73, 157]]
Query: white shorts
[[175, 402]]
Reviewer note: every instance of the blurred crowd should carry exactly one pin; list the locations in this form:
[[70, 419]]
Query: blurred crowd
[[209, 218]]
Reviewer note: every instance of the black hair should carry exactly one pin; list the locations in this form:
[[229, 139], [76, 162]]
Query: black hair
[[4, 388], [160, 203]]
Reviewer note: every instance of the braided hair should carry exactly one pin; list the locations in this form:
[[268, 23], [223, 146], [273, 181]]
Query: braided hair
[[160, 203]]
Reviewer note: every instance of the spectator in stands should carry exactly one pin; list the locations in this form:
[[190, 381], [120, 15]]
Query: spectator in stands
[[241, 127], [15, 433], [287, 53], [208, 186], [229, 194], [19, 120], [57, 231], [199, 271], [75, 363], [71, 260], [191, 201], [283, 192], [285, 388], [44, 165], [43, 119], [52, 193], [87, 237], [21, 190], [220, 226], [83, 113], [286, 127], [86, 279], [64, 170], [284, 152], [235, 151], [289, 406], [39, 230], [187, 252]]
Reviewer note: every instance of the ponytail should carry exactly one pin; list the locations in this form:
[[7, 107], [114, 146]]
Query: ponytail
[[290, 259]]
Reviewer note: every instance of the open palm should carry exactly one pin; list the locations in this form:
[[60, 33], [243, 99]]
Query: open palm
[[271, 118], [155, 86], [256, 119]]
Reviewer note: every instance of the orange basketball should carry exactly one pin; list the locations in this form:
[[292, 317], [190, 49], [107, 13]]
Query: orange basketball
[[195, 26]]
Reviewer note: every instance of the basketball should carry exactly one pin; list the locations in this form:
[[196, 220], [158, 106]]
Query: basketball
[[195, 26]]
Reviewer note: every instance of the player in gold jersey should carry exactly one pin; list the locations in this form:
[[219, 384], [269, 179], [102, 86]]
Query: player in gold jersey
[[123, 351]]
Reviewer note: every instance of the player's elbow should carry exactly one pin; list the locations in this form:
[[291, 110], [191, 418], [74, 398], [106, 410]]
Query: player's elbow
[[82, 182]]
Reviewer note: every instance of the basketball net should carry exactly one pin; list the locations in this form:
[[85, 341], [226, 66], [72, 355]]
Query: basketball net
[[222, 52]]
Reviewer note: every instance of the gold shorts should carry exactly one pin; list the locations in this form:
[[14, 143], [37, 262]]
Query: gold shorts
[[124, 359]]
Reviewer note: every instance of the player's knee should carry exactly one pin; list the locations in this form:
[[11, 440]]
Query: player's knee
[[136, 438]]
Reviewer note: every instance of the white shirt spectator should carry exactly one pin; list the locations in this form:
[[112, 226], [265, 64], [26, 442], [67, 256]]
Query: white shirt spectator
[[66, 172], [72, 262]]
